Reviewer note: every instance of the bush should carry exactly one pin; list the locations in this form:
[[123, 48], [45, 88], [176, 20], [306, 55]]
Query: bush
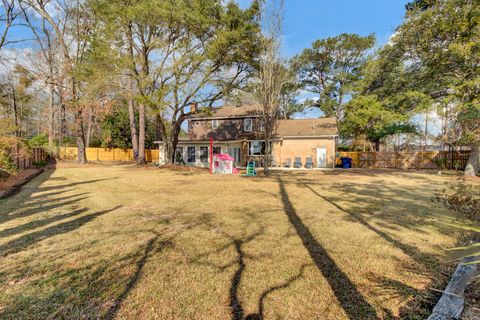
[[463, 198], [7, 165], [40, 164], [40, 140]]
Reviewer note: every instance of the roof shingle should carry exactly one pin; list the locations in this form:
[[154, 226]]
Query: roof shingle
[[307, 127]]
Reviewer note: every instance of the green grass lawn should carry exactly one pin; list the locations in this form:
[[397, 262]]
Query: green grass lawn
[[116, 241]]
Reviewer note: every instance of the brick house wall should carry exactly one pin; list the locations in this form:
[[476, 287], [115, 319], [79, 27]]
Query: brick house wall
[[228, 129], [304, 147]]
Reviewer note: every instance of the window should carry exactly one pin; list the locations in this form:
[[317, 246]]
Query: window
[[256, 148], [191, 154], [214, 124], [235, 153], [217, 150], [204, 154], [262, 125], [247, 124], [179, 155]]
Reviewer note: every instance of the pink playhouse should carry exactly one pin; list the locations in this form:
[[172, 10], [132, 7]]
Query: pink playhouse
[[223, 164]]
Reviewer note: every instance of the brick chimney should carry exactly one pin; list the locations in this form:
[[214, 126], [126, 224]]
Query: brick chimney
[[193, 107]]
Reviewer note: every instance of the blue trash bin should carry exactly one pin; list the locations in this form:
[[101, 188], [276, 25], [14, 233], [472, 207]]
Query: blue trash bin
[[346, 162]]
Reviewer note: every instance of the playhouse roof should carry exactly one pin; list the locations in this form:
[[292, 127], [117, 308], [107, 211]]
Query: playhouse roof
[[224, 157]]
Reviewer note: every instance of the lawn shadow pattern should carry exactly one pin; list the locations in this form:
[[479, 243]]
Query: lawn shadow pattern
[[240, 263], [27, 240], [353, 302], [149, 249], [409, 250], [415, 207]]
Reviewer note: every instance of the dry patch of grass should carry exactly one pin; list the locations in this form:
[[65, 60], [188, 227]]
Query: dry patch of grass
[[121, 242]]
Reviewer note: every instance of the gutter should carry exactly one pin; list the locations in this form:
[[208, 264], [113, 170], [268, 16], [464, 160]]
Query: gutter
[[226, 117]]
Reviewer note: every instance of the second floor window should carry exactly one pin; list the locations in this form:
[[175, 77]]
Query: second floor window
[[214, 124], [262, 125], [247, 124]]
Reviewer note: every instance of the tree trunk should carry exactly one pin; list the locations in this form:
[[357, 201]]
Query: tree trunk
[[473, 163], [377, 145], [89, 128], [15, 113], [169, 153], [51, 118], [426, 131], [133, 123], [81, 154], [268, 149], [268, 157], [63, 123], [141, 134], [168, 145]]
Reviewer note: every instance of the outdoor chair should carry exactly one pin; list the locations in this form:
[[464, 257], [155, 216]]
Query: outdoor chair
[[273, 164], [298, 162], [309, 163], [288, 163]]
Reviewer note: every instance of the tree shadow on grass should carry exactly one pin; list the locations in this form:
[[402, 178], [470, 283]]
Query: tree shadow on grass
[[153, 246], [240, 263], [409, 250], [91, 289], [408, 213], [39, 223], [238, 312], [352, 300], [29, 239], [149, 248], [72, 184]]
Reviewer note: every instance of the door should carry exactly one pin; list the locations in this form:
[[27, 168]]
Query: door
[[322, 157]]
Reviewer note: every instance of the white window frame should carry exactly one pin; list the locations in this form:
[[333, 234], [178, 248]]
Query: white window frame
[[214, 124], [194, 154], [248, 124], [204, 155], [260, 142]]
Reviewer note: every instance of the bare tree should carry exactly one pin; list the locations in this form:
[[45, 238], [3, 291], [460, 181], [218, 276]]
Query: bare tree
[[8, 14], [47, 68], [273, 76], [71, 26]]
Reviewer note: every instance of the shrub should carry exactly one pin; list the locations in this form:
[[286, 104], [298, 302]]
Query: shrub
[[40, 140], [463, 198]]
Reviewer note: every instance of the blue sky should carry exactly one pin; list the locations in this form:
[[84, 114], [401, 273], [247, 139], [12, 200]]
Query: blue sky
[[309, 20]]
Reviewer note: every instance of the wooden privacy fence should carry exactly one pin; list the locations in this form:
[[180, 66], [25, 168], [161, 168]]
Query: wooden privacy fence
[[35, 155], [101, 154], [452, 160]]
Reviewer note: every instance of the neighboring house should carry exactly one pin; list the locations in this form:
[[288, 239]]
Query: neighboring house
[[236, 130]]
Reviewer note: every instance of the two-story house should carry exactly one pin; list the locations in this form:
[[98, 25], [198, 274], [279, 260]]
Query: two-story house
[[236, 130]]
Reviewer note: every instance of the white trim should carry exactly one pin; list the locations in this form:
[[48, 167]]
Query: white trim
[[310, 137], [226, 117], [245, 124]]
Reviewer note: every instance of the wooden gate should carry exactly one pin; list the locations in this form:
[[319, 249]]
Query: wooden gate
[[453, 160]]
